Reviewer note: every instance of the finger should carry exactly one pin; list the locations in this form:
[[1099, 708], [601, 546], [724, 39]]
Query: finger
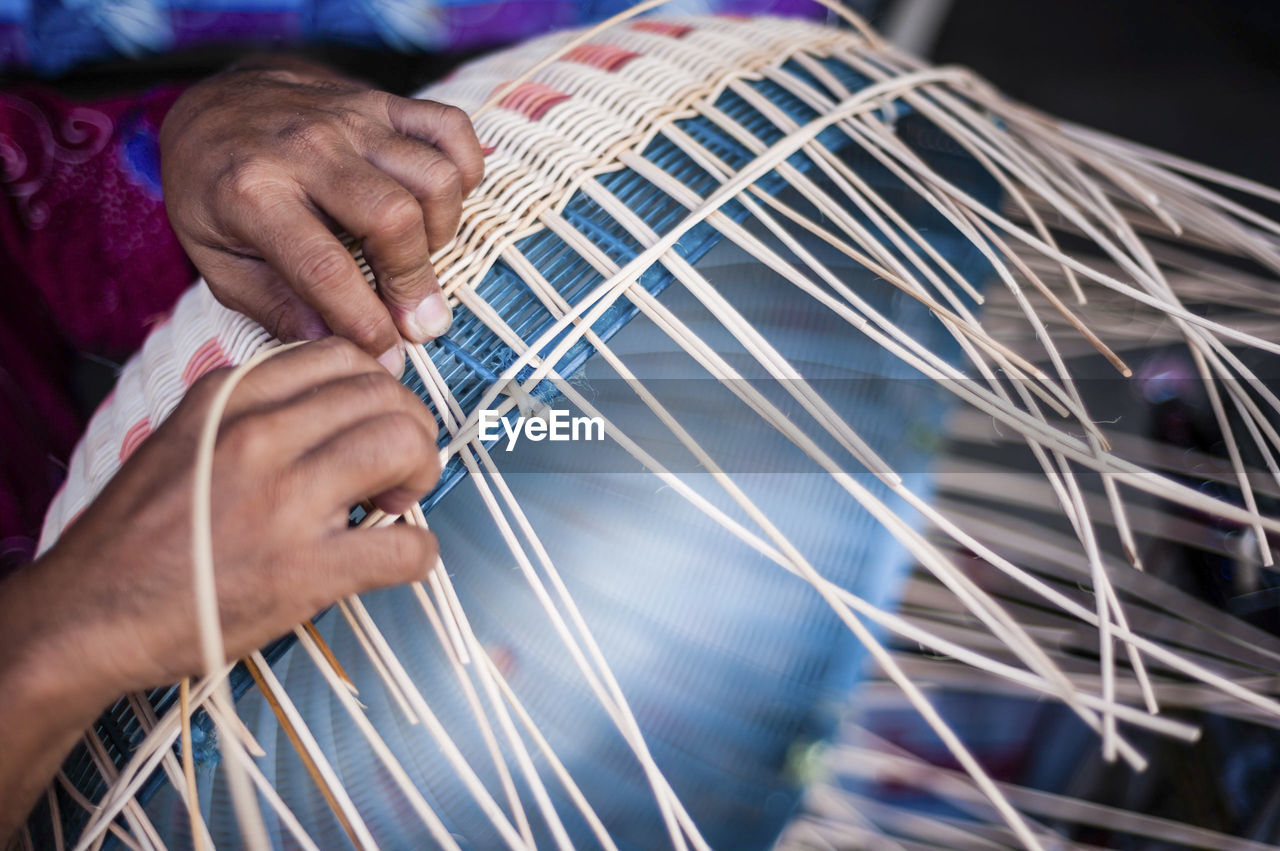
[[250, 286], [371, 204], [391, 456], [447, 128], [352, 561], [319, 411], [289, 377], [300, 373], [314, 263], [432, 178]]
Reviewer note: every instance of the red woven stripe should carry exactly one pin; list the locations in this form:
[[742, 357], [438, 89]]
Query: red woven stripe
[[206, 359], [606, 57], [532, 99], [133, 438], [661, 28]]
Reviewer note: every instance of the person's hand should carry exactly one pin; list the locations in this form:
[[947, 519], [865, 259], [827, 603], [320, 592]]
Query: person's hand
[[261, 165], [110, 608], [305, 436]]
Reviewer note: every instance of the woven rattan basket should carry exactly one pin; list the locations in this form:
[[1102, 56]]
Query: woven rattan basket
[[758, 250]]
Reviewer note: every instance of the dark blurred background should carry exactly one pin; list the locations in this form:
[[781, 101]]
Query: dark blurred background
[[1199, 79], [1195, 77]]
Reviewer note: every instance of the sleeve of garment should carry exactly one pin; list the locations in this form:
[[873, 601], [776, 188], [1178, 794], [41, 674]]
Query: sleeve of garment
[[88, 263]]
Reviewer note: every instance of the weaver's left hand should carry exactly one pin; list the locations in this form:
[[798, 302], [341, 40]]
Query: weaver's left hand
[[261, 164]]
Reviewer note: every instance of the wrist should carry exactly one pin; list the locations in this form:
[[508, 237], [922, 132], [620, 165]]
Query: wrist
[[50, 695], [52, 660]]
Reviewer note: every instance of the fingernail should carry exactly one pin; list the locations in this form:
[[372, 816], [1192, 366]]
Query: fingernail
[[432, 316], [393, 360]]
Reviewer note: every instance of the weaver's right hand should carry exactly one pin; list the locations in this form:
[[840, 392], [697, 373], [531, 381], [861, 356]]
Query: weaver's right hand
[[305, 436], [111, 607]]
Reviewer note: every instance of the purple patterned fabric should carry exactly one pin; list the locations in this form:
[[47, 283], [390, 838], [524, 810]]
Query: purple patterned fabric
[[88, 263], [51, 37]]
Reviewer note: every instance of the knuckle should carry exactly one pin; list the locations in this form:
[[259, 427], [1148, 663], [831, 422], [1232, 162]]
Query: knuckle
[[247, 178], [412, 552], [455, 120], [291, 131], [353, 119], [378, 391], [246, 441], [339, 351], [370, 331], [376, 100], [279, 488], [405, 434], [309, 134], [324, 268], [433, 430], [458, 124], [397, 213], [443, 180], [473, 172], [280, 317]]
